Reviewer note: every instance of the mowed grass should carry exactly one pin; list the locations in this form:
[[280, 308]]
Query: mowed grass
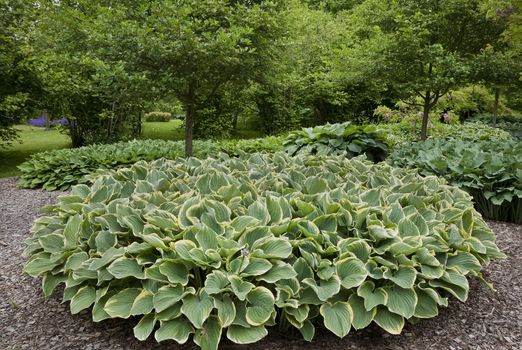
[[33, 140], [171, 130]]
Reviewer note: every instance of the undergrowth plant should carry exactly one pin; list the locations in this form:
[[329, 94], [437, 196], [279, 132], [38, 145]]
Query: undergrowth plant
[[204, 248], [337, 139], [490, 171], [61, 169]]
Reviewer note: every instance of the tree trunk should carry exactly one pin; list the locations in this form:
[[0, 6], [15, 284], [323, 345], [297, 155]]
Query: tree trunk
[[189, 120], [426, 114], [495, 107]]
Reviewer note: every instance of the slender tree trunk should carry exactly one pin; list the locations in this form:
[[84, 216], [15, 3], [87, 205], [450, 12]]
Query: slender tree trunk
[[189, 119], [426, 114], [495, 107]]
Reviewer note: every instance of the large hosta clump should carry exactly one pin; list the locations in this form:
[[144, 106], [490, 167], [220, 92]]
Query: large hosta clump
[[197, 248]]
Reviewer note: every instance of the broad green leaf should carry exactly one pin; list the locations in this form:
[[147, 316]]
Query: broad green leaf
[[243, 335], [372, 296], [125, 267], [176, 272], [167, 296], [325, 289], [84, 298], [404, 277], [178, 329], [197, 308], [145, 327], [260, 306], [337, 317], [361, 317], [209, 336], [390, 322], [352, 272], [401, 301], [120, 304], [226, 310]]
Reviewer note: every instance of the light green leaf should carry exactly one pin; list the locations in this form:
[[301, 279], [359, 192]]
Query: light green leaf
[[243, 335], [352, 272], [84, 298], [209, 336], [197, 308], [145, 327], [178, 329], [260, 306], [337, 317], [390, 322]]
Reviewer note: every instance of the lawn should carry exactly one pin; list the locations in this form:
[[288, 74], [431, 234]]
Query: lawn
[[32, 140]]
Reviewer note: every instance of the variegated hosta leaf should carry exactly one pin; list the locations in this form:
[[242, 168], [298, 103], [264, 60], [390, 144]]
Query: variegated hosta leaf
[[197, 248]]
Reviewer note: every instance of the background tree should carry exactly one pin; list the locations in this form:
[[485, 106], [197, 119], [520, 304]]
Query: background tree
[[194, 48]]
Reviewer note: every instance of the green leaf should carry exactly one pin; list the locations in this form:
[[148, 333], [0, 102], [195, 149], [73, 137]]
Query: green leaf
[[279, 271], [216, 282], [325, 289], [401, 301], [209, 336], [178, 329], [352, 272], [226, 310], [243, 335], [71, 231], [404, 277], [427, 303], [120, 304], [372, 296], [124, 267], [145, 327], [464, 262], [84, 298], [337, 317], [176, 272], [361, 317], [197, 308], [390, 322], [260, 306]]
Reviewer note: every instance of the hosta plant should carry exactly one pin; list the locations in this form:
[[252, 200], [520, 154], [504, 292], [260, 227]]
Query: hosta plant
[[490, 171], [336, 139], [228, 247], [61, 169]]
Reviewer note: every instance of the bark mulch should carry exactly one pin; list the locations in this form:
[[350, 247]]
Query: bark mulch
[[488, 320]]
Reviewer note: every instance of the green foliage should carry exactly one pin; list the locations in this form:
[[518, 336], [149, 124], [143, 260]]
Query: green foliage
[[510, 124], [232, 246], [404, 133], [337, 139], [157, 116], [61, 169], [490, 171], [270, 144]]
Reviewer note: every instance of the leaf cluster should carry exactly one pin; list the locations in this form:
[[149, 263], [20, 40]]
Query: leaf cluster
[[337, 139], [493, 169], [231, 246]]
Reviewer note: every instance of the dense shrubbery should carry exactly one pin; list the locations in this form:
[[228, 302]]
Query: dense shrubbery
[[158, 117], [270, 144], [337, 139], [404, 133], [490, 171], [510, 124], [61, 169], [205, 247]]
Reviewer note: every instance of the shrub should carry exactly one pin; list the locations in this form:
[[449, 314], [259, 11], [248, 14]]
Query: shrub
[[337, 139], [158, 116], [60, 169], [207, 246], [401, 134], [270, 144], [490, 171]]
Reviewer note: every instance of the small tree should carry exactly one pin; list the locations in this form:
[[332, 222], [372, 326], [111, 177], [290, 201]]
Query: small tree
[[192, 48], [431, 47]]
